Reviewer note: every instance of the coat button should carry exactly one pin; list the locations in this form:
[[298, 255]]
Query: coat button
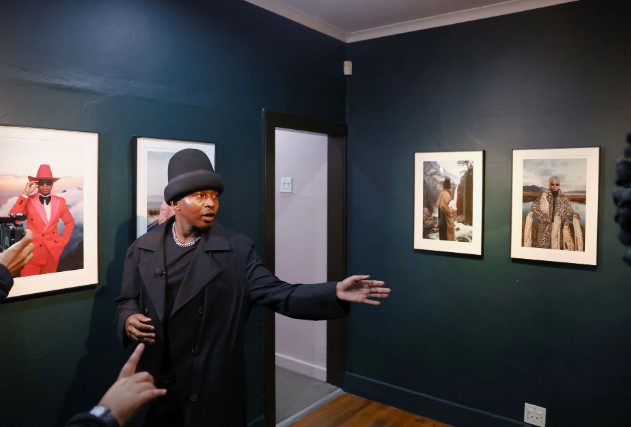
[[200, 310], [193, 398], [192, 350]]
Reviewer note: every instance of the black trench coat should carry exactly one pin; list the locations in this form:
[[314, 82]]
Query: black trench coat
[[206, 327]]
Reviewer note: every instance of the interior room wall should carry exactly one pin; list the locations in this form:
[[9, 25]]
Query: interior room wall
[[463, 339], [301, 244], [195, 70], [468, 340]]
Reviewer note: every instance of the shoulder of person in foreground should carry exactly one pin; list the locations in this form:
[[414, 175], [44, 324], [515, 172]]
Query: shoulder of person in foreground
[[6, 281]]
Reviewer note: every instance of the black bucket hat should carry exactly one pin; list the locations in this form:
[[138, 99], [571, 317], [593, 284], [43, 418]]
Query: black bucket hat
[[190, 170]]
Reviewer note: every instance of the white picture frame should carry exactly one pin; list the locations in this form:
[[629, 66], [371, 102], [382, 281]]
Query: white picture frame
[[73, 157], [152, 159], [466, 170], [578, 172]]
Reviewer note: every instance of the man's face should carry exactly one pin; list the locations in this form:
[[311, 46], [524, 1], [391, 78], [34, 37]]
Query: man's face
[[555, 185], [44, 186], [198, 209]]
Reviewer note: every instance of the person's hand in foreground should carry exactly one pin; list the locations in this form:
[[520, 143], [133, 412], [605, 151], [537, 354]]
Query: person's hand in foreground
[[131, 390], [18, 254], [361, 290]]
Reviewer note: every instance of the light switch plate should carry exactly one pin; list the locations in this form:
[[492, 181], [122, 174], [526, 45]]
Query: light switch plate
[[286, 184]]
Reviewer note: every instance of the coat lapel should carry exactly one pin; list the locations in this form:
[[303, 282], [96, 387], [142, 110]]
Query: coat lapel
[[40, 209], [54, 211], [203, 267], [151, 267]]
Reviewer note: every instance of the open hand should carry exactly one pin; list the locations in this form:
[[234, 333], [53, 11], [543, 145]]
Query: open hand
[[360, 290]]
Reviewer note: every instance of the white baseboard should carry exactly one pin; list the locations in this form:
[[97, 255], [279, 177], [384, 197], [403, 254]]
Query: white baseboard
[[302, 367]]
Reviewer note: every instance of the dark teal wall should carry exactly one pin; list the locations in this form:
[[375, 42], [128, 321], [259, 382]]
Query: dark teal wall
[[468, 340], [465, 340], [192, 70]]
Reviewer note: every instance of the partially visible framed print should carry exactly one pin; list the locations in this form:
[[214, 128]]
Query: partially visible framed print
[[448, 201], [152, 160], [49, 184], [555, 205]]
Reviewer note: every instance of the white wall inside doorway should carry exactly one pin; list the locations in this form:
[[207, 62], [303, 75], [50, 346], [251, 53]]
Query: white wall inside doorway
[[301, 243]]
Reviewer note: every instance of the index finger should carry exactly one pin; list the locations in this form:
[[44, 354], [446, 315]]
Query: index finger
[[29, 256], [28, 236], [377, 283], [129, 368]]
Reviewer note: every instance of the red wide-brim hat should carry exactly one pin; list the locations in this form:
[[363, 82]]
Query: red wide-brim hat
[[43, 172]]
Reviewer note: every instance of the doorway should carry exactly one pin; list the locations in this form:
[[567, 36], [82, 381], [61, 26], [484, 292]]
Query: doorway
[[321, 147]]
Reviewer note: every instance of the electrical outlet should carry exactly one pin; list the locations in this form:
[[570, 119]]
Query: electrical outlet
[[535, 415]]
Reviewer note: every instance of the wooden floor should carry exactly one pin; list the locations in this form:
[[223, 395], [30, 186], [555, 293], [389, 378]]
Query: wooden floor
[[353, 411]]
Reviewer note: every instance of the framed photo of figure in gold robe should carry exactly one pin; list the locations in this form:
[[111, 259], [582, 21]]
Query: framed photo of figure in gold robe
[[554, 213]]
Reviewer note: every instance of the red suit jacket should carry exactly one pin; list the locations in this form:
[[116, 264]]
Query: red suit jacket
[[46, 238]]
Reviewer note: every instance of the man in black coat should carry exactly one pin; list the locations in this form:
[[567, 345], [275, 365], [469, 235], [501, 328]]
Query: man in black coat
[[188, 288]]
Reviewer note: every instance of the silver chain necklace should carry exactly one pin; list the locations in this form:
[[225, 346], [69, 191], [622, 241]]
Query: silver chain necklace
[[180, 244]]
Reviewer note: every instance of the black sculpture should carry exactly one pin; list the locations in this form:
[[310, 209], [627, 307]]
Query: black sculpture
[[622, 197]]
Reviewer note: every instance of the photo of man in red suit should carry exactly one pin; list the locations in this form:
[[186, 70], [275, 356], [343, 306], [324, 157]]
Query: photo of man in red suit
[[43, 213]]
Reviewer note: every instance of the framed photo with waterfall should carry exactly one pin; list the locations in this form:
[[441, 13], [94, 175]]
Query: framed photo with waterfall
[[49, 185], [152, 157], [448, 201], [554, 213]]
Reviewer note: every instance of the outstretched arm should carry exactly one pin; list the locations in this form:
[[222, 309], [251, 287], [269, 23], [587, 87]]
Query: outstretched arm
[[361, 290]]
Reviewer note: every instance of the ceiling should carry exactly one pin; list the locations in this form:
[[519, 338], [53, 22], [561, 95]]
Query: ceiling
[[356, 20]]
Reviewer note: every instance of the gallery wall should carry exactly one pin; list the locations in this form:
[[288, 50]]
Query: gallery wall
[[195, 70], [468, 340]]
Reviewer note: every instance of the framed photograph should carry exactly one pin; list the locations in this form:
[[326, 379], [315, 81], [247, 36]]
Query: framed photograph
[[555, 205], [49, 184], [152, 161], [448, 201]]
